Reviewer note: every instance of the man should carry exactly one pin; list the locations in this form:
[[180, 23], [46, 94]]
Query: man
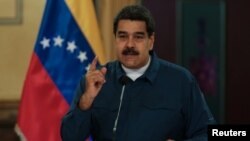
[[138, 97]]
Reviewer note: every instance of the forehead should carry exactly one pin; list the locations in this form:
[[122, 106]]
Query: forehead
[[131, 26]]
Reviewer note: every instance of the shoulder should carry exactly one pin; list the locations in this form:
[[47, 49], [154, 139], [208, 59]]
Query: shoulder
[[112, 65], [174, 70]]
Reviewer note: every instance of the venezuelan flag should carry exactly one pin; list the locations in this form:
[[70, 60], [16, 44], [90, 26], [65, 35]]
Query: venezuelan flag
[[67, 42]]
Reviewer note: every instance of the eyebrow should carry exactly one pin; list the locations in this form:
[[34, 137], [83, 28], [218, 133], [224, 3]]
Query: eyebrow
[[121, 32], [124, 32], [140, 33]]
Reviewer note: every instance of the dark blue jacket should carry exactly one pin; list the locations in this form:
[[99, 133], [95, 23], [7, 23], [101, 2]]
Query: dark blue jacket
[[164, 103]]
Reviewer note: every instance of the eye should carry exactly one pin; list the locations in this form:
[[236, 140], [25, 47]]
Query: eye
[[122, 36], [139, 36]]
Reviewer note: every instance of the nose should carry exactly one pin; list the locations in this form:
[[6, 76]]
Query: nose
[[130, 42]]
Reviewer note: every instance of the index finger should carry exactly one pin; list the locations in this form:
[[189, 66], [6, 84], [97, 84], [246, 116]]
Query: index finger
[[93, 64]]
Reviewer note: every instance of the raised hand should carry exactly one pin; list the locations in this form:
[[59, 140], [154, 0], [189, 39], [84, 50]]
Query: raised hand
[[94, 80]]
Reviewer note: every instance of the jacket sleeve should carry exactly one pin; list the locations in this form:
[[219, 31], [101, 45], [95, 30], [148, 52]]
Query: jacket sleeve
[[76, 123], [198, 115]]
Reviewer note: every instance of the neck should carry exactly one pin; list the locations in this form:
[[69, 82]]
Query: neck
[[135, 73]]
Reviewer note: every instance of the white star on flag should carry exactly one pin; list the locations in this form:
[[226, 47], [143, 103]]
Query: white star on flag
[[71, 46], [45, 42], [58, 41], [82, 56]]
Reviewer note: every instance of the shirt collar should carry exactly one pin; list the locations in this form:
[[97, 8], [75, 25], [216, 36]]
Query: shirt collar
[[136, 73]]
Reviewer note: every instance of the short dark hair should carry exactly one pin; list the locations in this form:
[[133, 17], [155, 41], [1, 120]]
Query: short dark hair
[[135, 12]]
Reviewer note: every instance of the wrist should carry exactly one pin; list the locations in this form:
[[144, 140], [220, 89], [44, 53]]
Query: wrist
[[85, 102]]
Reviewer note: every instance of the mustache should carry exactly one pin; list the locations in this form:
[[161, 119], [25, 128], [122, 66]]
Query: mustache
[[130, 51]]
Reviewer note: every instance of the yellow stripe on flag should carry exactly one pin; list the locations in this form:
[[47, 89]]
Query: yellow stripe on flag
[[84, 14]]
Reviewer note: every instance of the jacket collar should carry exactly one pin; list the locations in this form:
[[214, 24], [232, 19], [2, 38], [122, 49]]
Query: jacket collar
[[150, 73]]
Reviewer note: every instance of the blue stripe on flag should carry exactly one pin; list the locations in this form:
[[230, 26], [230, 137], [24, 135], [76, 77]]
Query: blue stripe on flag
[[63, 62]]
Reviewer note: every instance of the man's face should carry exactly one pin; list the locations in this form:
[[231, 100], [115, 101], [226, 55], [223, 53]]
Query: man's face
[[133, 44]]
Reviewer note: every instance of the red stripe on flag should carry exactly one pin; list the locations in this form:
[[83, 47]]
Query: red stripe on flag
[[42, 105]]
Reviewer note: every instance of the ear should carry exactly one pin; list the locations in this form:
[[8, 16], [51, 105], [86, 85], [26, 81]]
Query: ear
[[152, 40]]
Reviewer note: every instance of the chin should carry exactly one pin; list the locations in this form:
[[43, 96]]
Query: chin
[[129, 62], [131, 66]]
